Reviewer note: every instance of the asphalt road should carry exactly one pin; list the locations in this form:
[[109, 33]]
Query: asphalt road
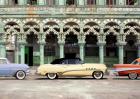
[[37, 87]]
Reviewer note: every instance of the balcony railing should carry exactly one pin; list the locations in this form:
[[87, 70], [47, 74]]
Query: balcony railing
[[70, 10]]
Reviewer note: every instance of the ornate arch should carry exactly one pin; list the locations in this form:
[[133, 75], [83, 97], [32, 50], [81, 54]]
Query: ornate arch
[[86, 21], [118, 22], [131, 26], [31, 20], [72, 28], [51, 20], [48, 29], [71, 20], [91, 26], [17, 21], [111, 26], [31, 25], [127, 21]]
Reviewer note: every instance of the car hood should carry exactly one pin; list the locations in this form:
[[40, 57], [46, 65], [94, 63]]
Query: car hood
[[19, 65], [124, 65]]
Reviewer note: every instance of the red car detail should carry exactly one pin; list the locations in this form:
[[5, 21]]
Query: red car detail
[[131, 70]]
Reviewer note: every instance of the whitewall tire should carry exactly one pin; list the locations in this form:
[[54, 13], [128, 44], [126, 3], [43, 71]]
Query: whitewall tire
[[98, 74], [20, 75], [133, 76], [52, 75]]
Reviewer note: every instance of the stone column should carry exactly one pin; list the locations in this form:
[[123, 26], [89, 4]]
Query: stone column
[[121, 2], [101, 52], [2, 50], [22, 2], [22, 53], [61, 2], [61, 49], [42, 53], [121, 51], [10, 2], [101, 2], [2, 2], [41, 2], [81, 45], [16, 56], [121, 54], [81, 2]]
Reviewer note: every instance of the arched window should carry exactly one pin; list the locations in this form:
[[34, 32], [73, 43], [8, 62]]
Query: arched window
[[71, 2], [32, 2], [110, 2], [131, 2], [91, 2]]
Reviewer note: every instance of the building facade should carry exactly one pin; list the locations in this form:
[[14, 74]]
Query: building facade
[[38, 31]]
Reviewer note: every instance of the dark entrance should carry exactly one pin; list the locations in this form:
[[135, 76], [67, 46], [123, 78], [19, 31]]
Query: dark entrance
[[130, 56], [71, 46], [29, 55], [130, 48]]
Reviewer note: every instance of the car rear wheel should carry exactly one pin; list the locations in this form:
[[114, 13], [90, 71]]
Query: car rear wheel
[[20, 75], [52, 75], [133, 76], [97, 75]]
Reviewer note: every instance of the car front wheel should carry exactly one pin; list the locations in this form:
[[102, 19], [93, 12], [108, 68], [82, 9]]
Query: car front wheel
[[97, 75], [52, 75], [20, 75], [133, 76]]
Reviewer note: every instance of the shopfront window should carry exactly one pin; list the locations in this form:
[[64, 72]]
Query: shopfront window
[[32, 2], [131, 2], [91, 2], [50, 2], [110, 2], [70, 2]]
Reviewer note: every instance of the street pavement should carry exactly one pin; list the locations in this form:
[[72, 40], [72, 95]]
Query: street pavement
[[39, 87]]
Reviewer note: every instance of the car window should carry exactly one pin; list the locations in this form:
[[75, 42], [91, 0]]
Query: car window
[[135, 62], [65, 61], [74, 61], [56, 61], [3, 61]]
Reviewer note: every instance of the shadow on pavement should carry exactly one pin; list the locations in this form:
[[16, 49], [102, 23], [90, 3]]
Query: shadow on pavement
[[69, 79]]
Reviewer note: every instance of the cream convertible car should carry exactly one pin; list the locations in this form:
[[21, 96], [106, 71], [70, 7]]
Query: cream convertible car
[[71, 67]]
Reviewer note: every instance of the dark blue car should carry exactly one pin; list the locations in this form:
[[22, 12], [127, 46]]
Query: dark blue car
[[8, 69]]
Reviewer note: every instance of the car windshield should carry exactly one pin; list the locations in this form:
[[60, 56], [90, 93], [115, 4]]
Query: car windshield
[[56, 61], [3, 61], [135, 62]]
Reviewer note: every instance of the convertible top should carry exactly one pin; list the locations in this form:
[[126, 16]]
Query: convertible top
[[58, 61]]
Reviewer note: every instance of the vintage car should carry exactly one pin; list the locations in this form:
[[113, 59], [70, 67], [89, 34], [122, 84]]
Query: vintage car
[[131, 70], [8, 69], [71, 67]]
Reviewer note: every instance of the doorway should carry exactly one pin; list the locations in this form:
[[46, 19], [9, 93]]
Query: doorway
[[29, 55]]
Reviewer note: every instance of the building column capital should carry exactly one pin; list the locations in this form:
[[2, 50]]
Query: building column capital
[[101, 43], [81, 43], [121, 43], [61, 42]]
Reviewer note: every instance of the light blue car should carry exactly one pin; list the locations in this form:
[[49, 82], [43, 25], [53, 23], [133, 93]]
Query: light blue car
[[8, 69]]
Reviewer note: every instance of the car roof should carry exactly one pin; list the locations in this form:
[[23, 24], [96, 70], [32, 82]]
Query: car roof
[[138, 59]]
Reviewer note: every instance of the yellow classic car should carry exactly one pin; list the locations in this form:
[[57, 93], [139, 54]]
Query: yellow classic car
[[71, 67]]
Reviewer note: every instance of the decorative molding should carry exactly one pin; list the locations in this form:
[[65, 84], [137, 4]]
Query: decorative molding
[[77, 21]]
